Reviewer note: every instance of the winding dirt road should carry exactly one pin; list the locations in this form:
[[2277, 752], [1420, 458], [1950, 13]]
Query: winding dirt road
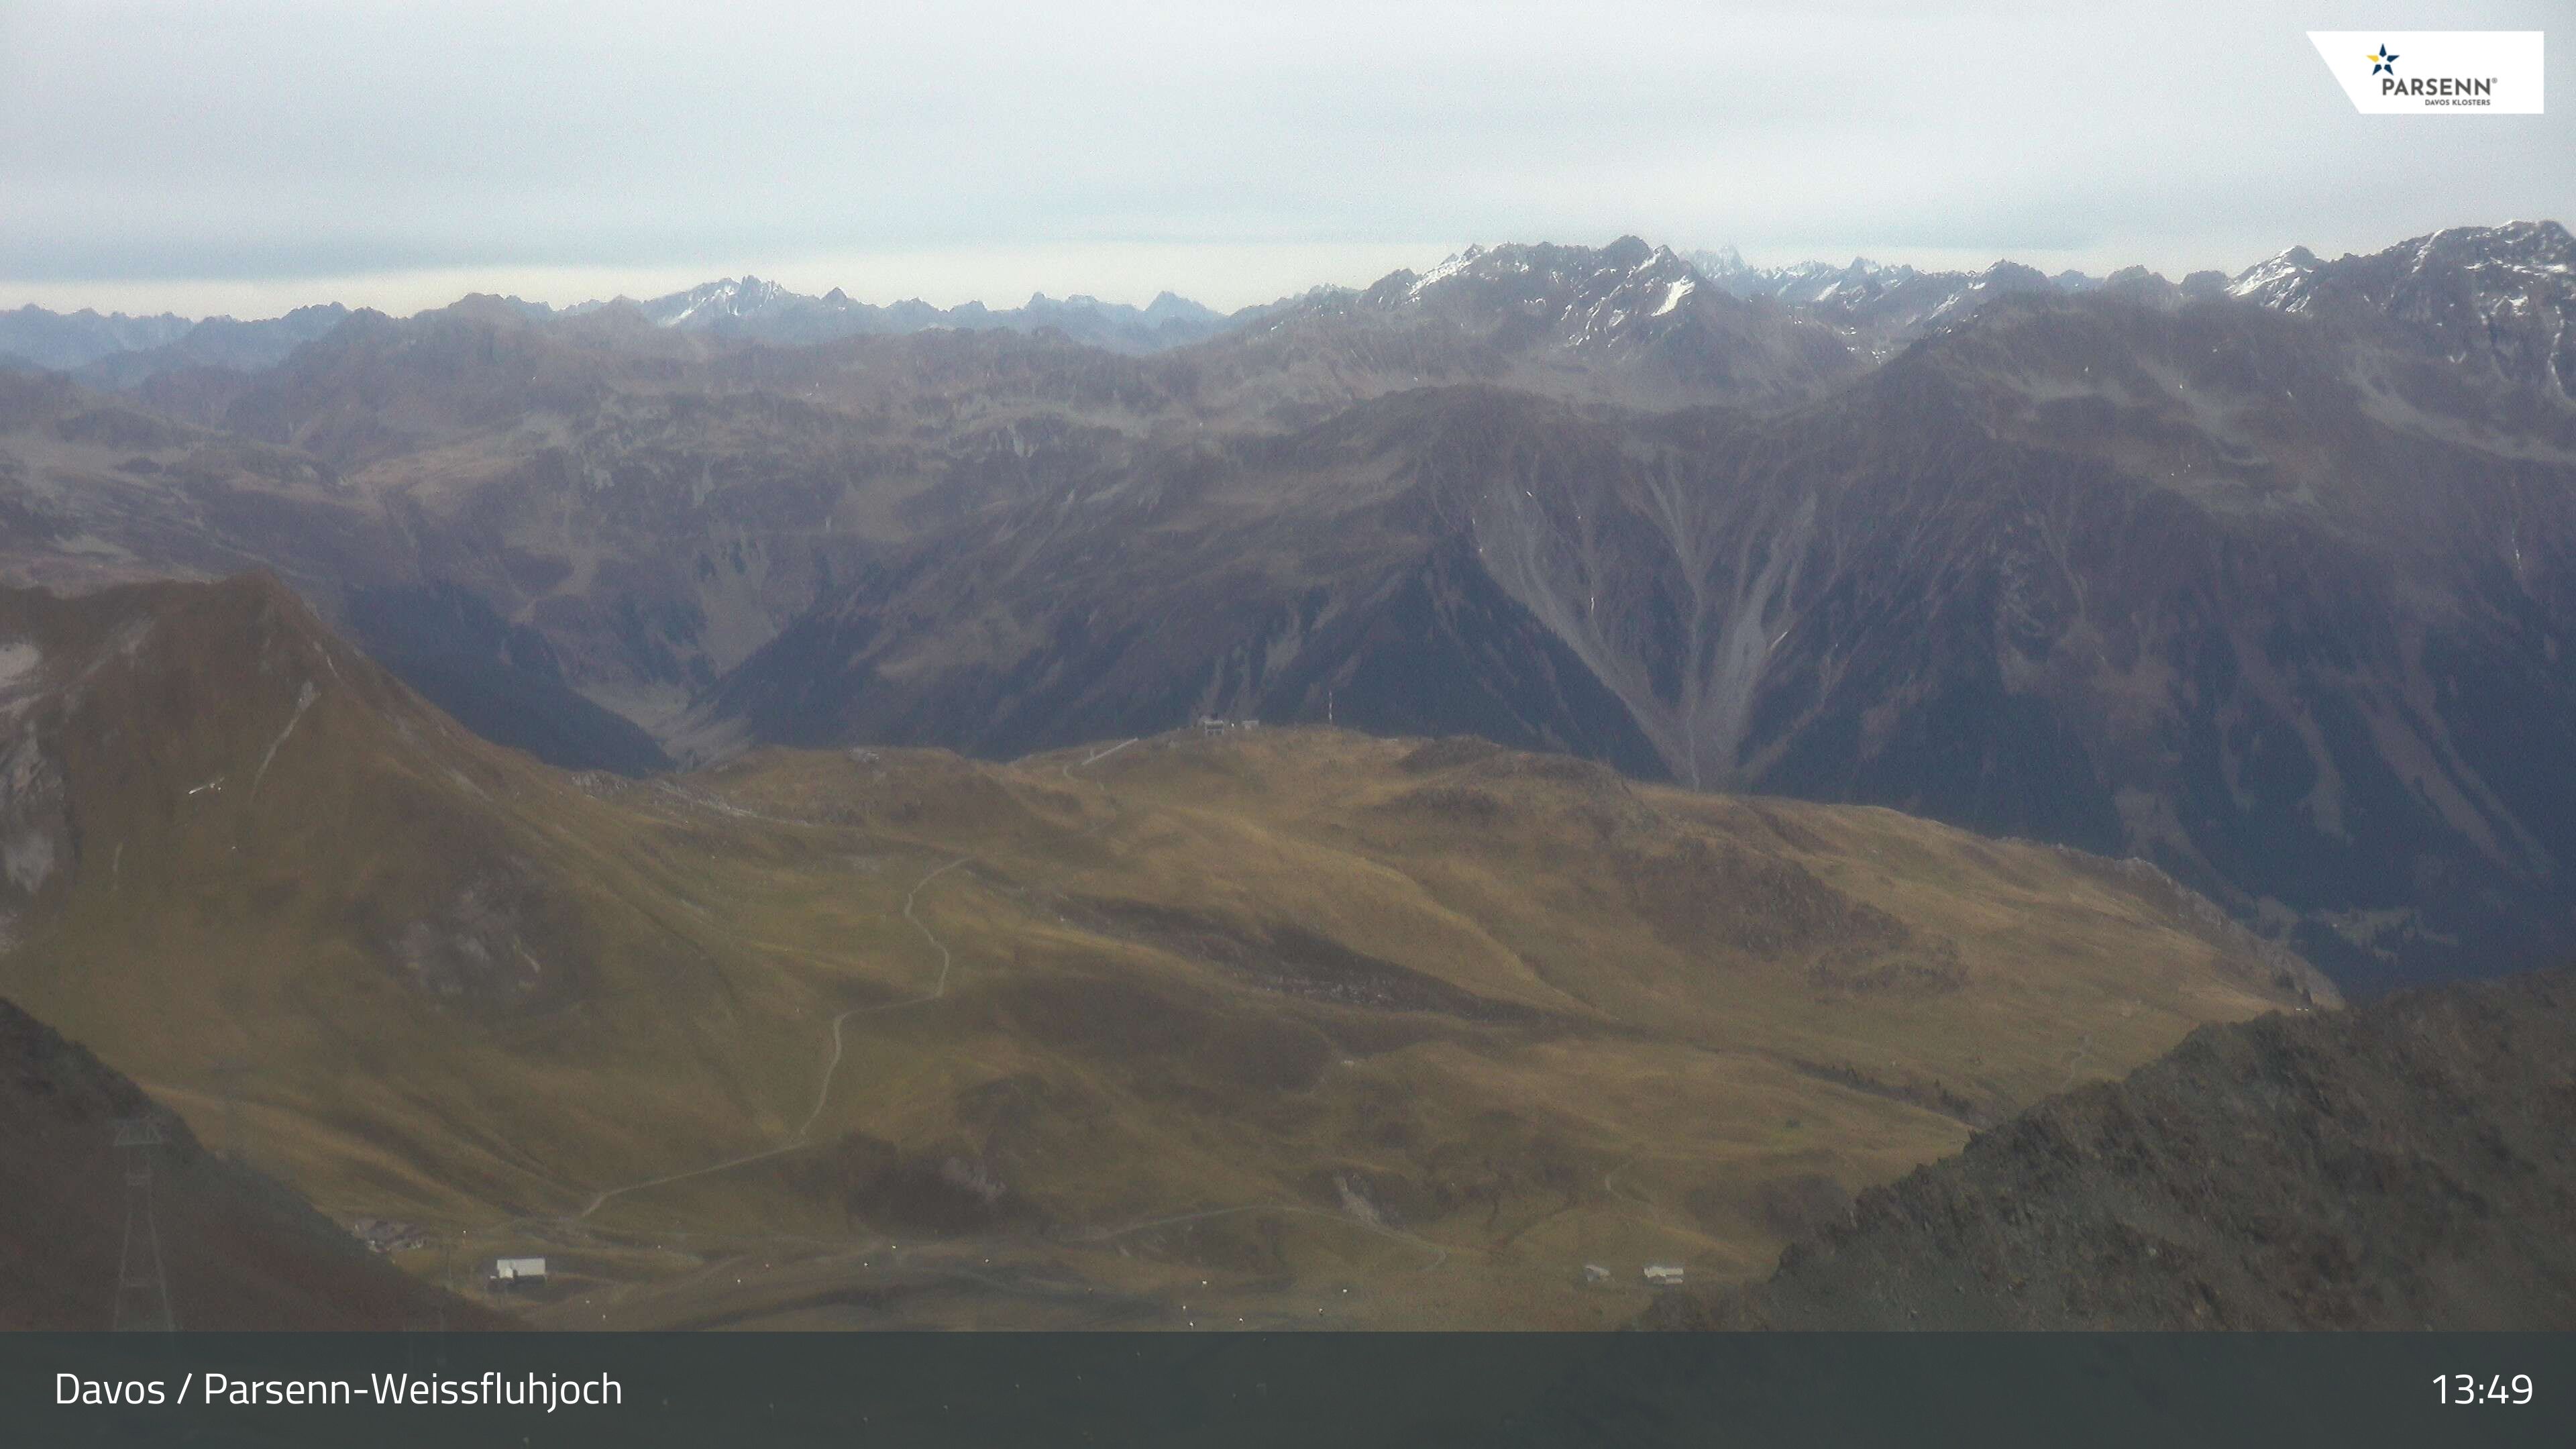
[[938, 989], [831, 1066]]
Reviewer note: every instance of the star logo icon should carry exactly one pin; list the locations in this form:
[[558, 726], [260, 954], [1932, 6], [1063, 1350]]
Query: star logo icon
[[2382, 60]]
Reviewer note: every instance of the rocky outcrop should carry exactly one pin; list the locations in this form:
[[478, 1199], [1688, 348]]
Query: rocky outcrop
[[2403, 1165]]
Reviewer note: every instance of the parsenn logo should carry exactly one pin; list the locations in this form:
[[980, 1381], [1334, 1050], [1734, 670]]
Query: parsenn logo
[[2448, 72]]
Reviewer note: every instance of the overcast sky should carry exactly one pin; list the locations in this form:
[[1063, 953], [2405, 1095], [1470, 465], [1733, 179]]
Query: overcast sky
[[203, 155]]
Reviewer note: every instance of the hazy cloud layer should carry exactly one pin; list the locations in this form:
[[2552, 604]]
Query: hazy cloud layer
[[214, 153]]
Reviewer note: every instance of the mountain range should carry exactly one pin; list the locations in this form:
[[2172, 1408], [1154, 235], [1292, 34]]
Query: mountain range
[[761, 311], [2264, 580], [118, 351], [124, 352]]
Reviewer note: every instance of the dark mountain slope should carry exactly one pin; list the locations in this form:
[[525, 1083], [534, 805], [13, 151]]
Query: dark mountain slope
[[1326, 572], [2268, 599], [240, 1251], [501, 681], [2246, 597], [2402, 1165]]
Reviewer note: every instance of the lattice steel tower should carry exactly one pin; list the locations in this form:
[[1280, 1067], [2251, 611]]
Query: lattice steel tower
[[142, 1282]]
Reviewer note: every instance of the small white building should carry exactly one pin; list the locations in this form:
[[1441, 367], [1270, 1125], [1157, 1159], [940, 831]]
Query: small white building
[[1594, 1275], [1663, 1275], [512, 1272]]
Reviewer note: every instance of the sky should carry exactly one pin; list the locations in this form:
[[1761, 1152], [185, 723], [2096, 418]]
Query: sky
[[246, 156]]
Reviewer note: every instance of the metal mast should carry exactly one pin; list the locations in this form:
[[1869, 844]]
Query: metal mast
[[142, 1281]]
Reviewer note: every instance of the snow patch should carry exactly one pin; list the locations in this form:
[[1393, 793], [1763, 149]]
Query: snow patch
[[29, 859], [18, 659], [2272, 282], [1449, 268], [303, 701], [20, 665]]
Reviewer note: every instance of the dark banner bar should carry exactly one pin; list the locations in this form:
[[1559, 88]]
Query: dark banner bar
[[1244, 1391]]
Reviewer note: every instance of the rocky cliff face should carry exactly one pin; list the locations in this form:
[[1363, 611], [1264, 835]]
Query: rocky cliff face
[[2403, 1165]]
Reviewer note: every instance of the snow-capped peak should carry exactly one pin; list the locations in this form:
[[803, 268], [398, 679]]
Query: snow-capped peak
[[1452, 265], [727, 297], [1720, 264], [2278, 282], [2498, 297]]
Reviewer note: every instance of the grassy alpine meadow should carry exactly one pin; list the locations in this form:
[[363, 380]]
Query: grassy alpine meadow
[[1220, 1027]]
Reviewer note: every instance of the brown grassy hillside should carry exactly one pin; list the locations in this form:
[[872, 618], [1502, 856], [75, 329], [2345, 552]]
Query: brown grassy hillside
[[1263, 1026]]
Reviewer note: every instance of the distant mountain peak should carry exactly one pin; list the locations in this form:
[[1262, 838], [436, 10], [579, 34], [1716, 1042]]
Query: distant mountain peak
[[1877, 306], [1172, 307], [2501, 296], [2279, 282], [1626, 320], [756, 309], [1545, 265], [1629, 251], [1719, 264], [2014, 274]]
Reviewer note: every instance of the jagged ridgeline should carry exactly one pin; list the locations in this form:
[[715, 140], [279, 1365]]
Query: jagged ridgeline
[[2401, 1166], [1283, 1025]]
